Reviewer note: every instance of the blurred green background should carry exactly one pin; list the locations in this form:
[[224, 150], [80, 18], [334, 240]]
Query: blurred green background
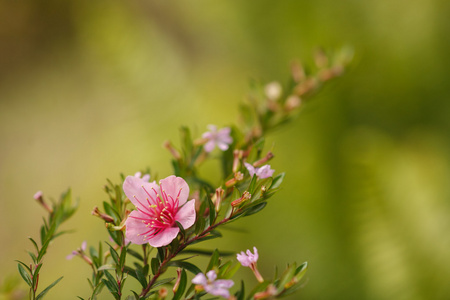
[[89, 89]]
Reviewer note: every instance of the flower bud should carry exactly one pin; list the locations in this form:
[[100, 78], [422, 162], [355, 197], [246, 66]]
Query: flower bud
[[245, 196], [168, 145], [263, 160], [107, 218], [39, 198], [218, 197]]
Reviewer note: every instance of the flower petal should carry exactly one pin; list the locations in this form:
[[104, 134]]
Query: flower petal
[[200, 279], [186, 214], [175, 187], [209, 146], [135, 189], [224, 283], [135, 228], [222, 145], [250, 168], [164, 237]]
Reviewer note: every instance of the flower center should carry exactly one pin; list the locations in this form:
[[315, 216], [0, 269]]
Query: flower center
[[158, 213]]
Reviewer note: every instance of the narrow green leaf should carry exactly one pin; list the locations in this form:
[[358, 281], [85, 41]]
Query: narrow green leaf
[[255, 209], [241, 293], [183, 232], [185, 265], [114, 254], [206, 252], [135, 254], [98, 288], [33, 257], [155, 265], [162, 281], [141, 277], [181, 287], [42, 294], [212, 211], [277, 181], [35, 244], [123, 255], [214, 261], [106, 267], [43, 249], [252, 185], [25, 275], [286, 277], [112, 280]]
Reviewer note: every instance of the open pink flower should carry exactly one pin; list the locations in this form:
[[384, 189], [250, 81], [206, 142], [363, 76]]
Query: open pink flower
[[220, 138], [211, 285], [263, 172], [158, 207], [249, 259]]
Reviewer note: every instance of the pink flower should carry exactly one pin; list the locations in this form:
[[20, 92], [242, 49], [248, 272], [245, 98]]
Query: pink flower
[[220, 138], [211, 285], [145, 177], [263, 172], [38, 195], [249, 259], [158, 207], [79, 251]]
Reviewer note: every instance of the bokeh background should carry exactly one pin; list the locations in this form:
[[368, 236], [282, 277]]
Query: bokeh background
[[89, 89]]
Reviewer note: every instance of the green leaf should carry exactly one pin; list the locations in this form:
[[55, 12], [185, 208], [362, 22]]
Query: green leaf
[[114, 254], [252, 185], [277, 181], [25, 275], [33, 257], [206, 252], [286, 277], [162, 281], [123, 255], [141, 277], [111, 280], [259, 288], [255, 209], [241, 293], [43, 249], [135, 254], [181, 287], [212, 235], [155, 265], [214, 261], [35, 244], [183, 232], [42, 294], [106, 267], [185, 265], [212, 211]]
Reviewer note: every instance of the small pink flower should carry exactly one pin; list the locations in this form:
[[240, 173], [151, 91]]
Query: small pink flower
[[263, 172], [249, 259], [145, 177], [158, 207], [220, 138], [38, 195], [79, 251], [211, 285]]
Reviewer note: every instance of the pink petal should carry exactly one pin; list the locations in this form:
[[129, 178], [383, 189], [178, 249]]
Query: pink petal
[[135, 189], [175, 187], [222, 146], [224, 283], [200, 279], [135, 228], [186, 214], [265, 172], [209, 146], [250, 169], [164, 237], [212, 128]]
